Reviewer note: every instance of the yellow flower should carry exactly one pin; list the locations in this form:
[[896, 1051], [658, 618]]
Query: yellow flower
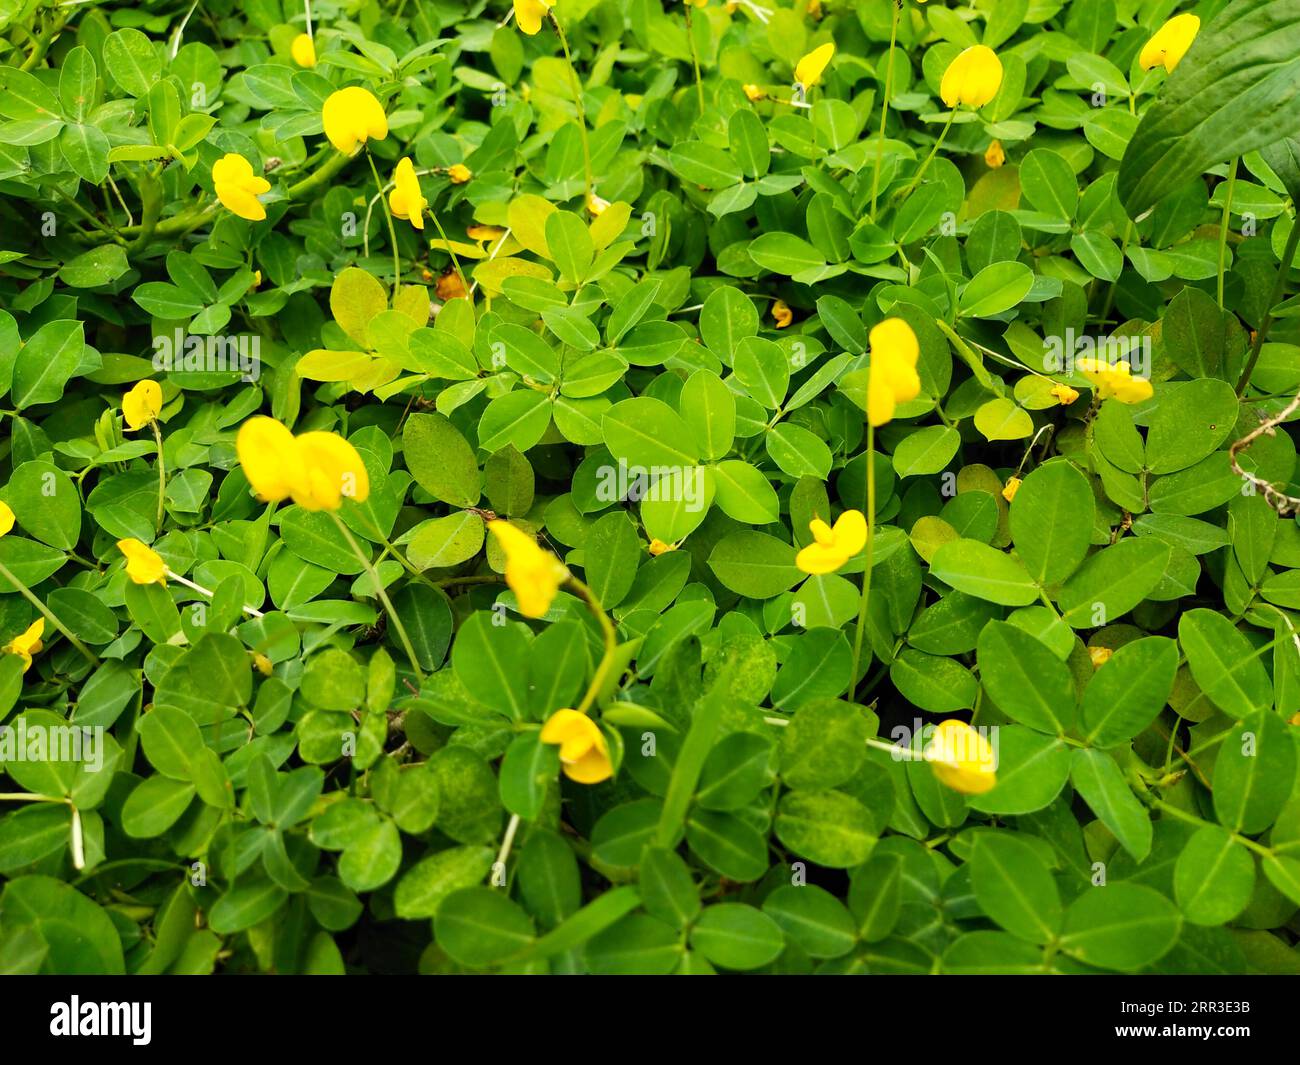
[[1115, 381], [596, 205], [832, 547], [406, 201], [753, 93], [973, 78], [1065, 394], [459, 173], [142, 404], [6, 518], [480, 232], [584, 754], [1170, 42], [893, 378], [962, 758], [530, 13], [782, 313], [143, 564], [658, 547], [808, 71], [995, 156], [450, 287], [238, 187], [534, 575], [697, 3], [303, 50], [316, 469], [353, 116], [1100, 656], [28, 644], [262, 663], [1013, 486]]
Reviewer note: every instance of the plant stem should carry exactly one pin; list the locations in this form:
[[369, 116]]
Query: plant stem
[[1279, 287], [398, 627], [930, 158], [884, 105], [1223, 226], [392, 230], [870, 511], [49, 615], [250, 611], [611, 643], [577, 100], [162, 470], [447, 244], [695, 56]]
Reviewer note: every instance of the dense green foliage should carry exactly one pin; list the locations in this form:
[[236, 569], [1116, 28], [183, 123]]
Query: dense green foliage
[[678, 268]]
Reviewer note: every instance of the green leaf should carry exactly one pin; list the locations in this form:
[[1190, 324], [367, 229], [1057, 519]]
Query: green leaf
[[1025, 679], [1112, 582], [1214, 877], [1254, 772], [480, 927], [977, 569], [1230, 95], [1120, 926], [1014, 886], [1223, 663], [1100, 783], [736, 936]]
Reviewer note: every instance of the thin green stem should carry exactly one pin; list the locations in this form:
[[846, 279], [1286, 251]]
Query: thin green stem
[[611, 644], [455, 262], [695, 57], [398, 627], [392, 230], [870, 512], [577, 101], [1279, 287], [162, 471], [49, 615], [884, 106], [1192, 819], [1223, 226], [930, 158]]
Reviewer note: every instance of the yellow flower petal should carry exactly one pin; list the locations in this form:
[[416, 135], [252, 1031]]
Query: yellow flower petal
[[27, 644], [459, 173], [353, 116], [962, 758], [6, 518], [530, 14], [143, 564], [142, 404], [269, 458], [892, 377], [406, 201], [533, 574], [782, 314], [1012, 487], [808, 71], [850, 532], [1170, 42], [303, 50], [333, 472], [237, 187], [973, 78], [584, 751], [817, 559], [995, 156]]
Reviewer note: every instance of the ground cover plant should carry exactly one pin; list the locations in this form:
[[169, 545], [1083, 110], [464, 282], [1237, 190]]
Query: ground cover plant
[[633, 487]]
